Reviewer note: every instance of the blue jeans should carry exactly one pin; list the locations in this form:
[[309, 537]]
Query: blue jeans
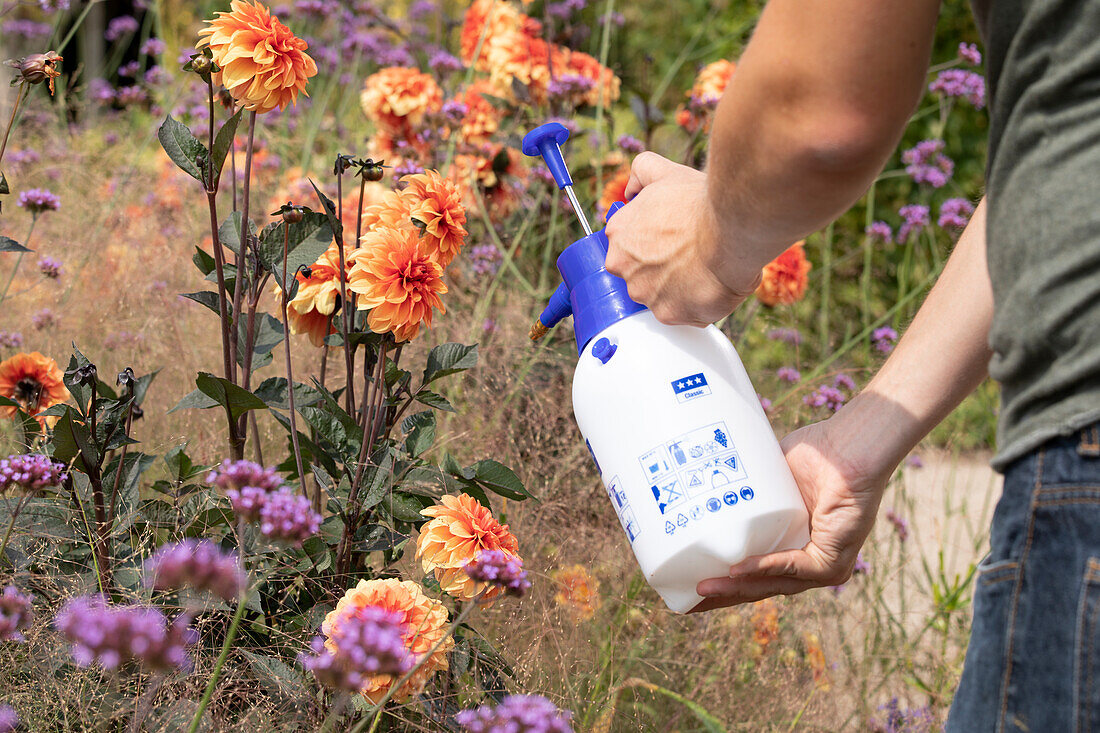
[[1033, 663]]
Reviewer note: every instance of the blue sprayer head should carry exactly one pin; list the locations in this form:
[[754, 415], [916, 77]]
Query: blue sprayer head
[[592, 295]]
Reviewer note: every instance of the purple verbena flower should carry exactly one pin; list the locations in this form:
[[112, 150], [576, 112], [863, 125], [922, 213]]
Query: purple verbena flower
[[120, 26], [880, 231], [50, 267], [489, 325], [825, 396], [453, 111], [363, 644], [238, 474], [961, 84], [788, 374], [9, 720], [915, 461], [11, 339], [884, 339], [843, 381], [155, 75], [28, 29], [955, 213], [517, 714], [569, 86], [29, 473], [152, 47], [904, 720], [23, 157], [444, 64], [861, 567], [630, 144], [926, 163], [199, 564], [405, 168], [500, 569], [288, 517], [52, 6], [969, 53], [130, 69], [765, 403], [915, 217], [900, 525], [44, 319], [37, 200], [131, 96], [485, 259], [786, 335], [16, 612], [111, 635]]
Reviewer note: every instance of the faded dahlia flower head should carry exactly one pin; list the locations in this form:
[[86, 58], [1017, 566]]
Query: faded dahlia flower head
[[397, 280], [784, 278], [578, 591], [459, 531], [424, 621], [263, 64], [436, 203], [35, 382], [311, 310], [397, 98]]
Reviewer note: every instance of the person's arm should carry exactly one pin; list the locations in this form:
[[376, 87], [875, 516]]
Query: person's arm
[[842, 464], [816, 106]]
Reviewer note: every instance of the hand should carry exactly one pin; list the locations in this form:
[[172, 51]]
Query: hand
[[843, 498], [665, 245]]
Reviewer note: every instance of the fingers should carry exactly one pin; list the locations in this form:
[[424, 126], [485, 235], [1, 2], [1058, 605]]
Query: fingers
[[777, 573], [646, 168]]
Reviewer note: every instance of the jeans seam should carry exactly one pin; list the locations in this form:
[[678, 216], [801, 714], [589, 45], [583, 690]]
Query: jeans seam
[[1086, 446], [1011, 630]]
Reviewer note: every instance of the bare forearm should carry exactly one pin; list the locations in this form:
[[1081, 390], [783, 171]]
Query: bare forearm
[[940, 360], [817, 104]]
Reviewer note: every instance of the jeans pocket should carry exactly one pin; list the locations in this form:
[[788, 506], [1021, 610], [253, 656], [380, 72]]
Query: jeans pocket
[[1087, 663]]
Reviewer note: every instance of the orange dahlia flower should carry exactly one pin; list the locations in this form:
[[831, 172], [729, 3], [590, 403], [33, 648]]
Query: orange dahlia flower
[[815, 655], [460, 530], [765, 624], [436, 203], [578, 591], [784, 278], [614, 190], [710, 84], [605, 85], [515, 56], [425, 622], [502, 18], [397, 98], [318, 295], [397, 281], [482, 118], [263, 64], [35, 382], [373, 193], [393, 210]]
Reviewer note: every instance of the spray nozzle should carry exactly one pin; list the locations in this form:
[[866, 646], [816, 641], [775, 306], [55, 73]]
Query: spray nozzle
[[546, 140]]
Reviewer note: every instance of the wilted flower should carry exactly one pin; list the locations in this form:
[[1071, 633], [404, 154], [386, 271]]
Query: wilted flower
[[880, 231], [884, 339], [788, 374], [517, 714], [424, 624], [38, 68], [915, 217], [435, 203], [578, 591], [459, 531], [49, 267], [366, 643], [30, 473], [969, 52], [397, 281], [960, 83], [262, 63], [784, 279], [112, 635], [926, 163], [34, 381], [825, 396], [955, 213], [16, 611], [288, 517], [199, 564], [37, 200], [500, 569], [397, 99]]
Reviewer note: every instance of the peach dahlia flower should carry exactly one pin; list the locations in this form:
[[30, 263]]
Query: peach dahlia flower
[[35, 382], [460, 530], [311, 310], [436, 203], [784, 278], [424, 620], [578, 591], [397, 98], [397, 281], [263, 64]]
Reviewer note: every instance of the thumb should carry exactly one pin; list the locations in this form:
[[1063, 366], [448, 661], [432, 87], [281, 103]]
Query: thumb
[[646, 168]]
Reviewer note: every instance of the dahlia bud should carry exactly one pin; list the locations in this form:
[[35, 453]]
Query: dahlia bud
[[126, 377], [343, 162], [292, 214], [372, 171], [200, 64], [87, 374], [37, 68]]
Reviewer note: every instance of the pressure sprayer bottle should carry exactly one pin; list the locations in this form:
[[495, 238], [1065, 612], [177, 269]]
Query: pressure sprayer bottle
[[689, 460]]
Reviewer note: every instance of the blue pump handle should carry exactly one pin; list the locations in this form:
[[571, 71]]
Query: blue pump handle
[[546, 140]]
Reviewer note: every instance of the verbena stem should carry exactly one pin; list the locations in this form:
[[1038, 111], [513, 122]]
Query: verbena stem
[[230, 635], [19, 259]]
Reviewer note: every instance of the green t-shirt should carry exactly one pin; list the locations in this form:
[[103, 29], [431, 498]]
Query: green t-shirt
[[1043, 188]]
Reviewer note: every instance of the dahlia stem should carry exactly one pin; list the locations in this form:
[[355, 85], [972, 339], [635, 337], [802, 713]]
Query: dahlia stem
[[238, 440], [19, 259], [349, 356], [226, 645], [219, 255], [11, 120], [290, 378], [462, 616]]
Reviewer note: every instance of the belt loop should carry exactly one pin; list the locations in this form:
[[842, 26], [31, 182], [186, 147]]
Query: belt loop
[[1090, 441]]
